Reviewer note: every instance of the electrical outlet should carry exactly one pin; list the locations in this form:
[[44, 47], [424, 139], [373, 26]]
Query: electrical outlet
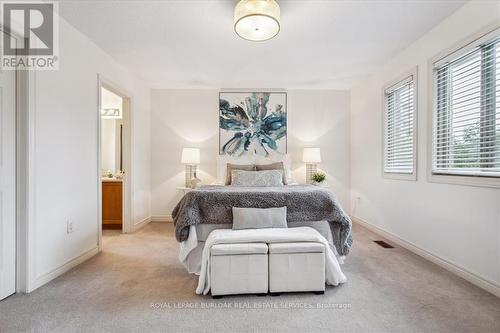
[[69, 227]]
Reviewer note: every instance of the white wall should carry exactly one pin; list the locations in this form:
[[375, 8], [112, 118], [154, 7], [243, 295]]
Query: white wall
[[65, 143], [460, 224], [189, 118]]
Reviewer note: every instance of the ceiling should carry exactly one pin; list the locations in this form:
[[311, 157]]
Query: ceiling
[[191, 43]]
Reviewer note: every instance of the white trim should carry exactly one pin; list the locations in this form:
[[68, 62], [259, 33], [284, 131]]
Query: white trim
[[449, 178], [25, 180], [31, 186], [466, 47], [25, 176], [400, 176], [128, 194], [99, 166], [162, 218], [413, 73], [481, 282], [464, 180], [9, 125], [26, 226], [40, 281], [141, 224]]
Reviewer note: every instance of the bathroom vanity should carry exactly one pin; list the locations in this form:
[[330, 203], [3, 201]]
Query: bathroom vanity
[[112, 203]]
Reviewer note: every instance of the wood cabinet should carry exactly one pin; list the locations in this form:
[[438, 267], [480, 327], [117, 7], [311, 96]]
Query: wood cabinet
[[112, 204]]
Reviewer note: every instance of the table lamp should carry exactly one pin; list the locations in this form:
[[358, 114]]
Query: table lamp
[[191, 158], [311, 156]]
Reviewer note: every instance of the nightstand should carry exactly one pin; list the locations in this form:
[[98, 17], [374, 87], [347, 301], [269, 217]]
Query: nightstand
[[184, 190]]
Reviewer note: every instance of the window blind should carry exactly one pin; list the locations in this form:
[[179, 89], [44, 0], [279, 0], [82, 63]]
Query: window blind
[[466, 131], [399, 127]]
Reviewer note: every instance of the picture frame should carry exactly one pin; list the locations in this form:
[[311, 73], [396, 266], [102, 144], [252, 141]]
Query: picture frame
[[252, 123]]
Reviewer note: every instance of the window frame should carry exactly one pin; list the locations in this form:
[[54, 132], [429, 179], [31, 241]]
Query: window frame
[[458, 49], [395, 175]]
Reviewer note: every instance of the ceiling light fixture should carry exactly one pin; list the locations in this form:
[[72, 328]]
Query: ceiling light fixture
[[257, 20]]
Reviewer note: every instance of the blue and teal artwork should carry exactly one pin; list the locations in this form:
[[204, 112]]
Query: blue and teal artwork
[[252, 123]]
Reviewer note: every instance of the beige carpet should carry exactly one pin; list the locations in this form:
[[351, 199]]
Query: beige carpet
[[137, 284]]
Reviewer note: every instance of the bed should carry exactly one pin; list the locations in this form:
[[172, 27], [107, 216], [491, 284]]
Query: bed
[[210, 207]]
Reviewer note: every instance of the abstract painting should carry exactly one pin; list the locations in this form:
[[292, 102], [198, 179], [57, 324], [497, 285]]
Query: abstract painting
[[252, 123]]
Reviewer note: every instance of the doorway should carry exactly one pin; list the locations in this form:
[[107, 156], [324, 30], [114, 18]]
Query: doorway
[[114, 159], [8, 220]]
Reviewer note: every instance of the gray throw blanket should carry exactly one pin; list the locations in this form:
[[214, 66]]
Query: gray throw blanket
[[305, 203]]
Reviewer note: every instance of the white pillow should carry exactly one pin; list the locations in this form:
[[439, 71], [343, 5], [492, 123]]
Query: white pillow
[[267, 178], [276, 157], [223, 160], [256, 218]]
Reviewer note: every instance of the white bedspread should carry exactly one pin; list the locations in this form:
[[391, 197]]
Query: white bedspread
[[333, 273]]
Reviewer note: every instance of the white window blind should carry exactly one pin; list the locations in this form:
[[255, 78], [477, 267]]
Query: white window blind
[[399, 127], [466, 138]]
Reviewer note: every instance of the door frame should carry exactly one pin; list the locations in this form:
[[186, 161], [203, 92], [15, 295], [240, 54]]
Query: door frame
[[25, 187], [8, 125], [127, 225], [25, 194]]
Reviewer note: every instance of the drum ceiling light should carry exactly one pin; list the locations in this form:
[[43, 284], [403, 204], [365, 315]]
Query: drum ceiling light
[[257, 20]]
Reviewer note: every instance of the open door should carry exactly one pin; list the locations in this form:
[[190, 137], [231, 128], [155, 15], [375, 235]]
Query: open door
[[7, 182]]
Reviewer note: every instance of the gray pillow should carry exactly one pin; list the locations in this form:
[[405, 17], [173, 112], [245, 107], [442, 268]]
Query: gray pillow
[[257, 178], [273, 166], [231, 167], [256, 218]]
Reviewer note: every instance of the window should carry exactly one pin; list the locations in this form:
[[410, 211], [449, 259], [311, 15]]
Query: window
[[466, 127], [399, 125]]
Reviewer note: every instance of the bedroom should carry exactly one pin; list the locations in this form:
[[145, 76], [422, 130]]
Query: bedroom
[[330, 72]]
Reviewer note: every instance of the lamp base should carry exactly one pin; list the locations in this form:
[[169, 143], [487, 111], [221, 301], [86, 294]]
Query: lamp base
[[190, 174], [310, 170]]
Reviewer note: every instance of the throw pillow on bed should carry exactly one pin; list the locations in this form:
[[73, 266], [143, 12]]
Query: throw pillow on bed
[[272, 166], [256, 218], [231, 167], [257, 178]]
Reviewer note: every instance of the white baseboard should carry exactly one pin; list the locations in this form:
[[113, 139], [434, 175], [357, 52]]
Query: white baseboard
[[473, 278], [161, 218], [141, 224], [40, 281]]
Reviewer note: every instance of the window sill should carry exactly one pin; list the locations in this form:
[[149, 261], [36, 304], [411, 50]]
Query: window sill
[[476, 181], [400, 176]]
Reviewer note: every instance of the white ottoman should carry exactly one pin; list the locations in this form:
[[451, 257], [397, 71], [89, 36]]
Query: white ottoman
[[239, 269], [296, 267]]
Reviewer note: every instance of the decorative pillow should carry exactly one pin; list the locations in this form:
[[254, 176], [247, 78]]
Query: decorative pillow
[[273, 166], [231, 167], [256, 218], [276, 157], [257, 178]]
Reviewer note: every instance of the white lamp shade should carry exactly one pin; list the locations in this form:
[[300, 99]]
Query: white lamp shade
[[190, 156], [311, 155], [257, 20]]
